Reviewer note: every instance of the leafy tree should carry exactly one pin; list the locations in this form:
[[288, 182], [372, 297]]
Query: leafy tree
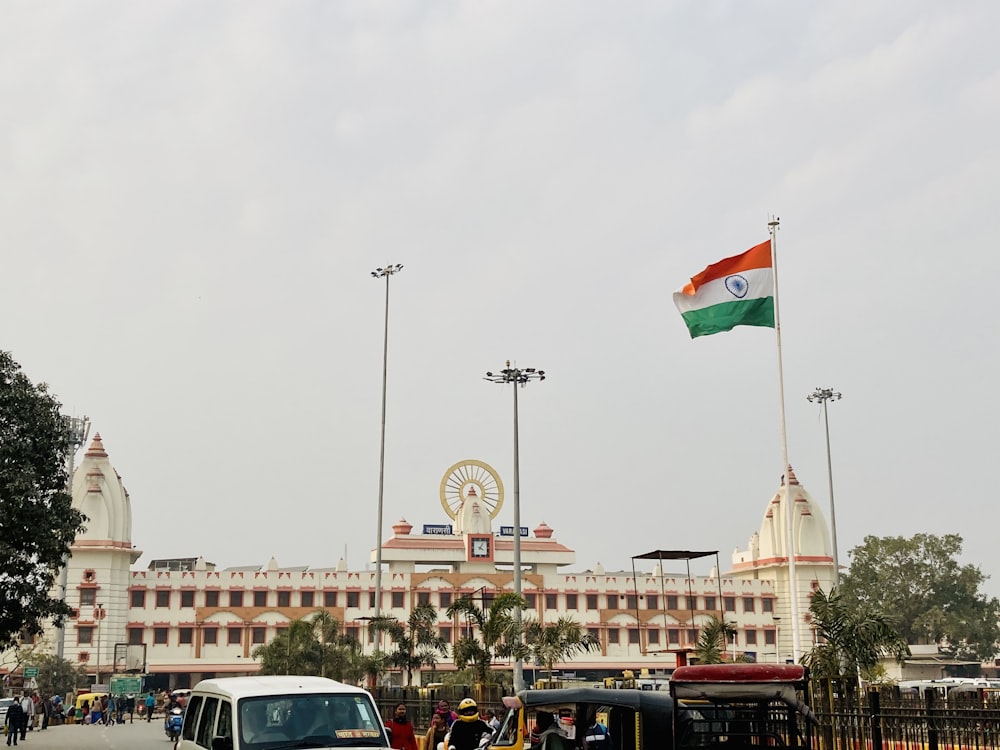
[[713, 641], [558, 641], [57, 676], [499, 633], [417, 641], [38, 523], [852, 639], [921, 585], [312, 647]]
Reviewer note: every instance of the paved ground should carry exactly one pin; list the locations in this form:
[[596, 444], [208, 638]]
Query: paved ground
[[137, 736]]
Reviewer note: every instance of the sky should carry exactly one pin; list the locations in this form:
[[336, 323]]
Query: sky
[[193, 196]]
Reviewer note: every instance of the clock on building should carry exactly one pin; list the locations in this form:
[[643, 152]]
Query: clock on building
[[480, 547]]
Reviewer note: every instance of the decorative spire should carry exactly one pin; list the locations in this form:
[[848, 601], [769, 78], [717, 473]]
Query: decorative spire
[[791, 475], [96, 449]]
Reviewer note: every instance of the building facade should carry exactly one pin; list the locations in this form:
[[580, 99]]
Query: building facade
[[183, 619]]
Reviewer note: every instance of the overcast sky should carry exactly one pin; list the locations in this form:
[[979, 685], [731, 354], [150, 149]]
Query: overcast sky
[[193, 196]]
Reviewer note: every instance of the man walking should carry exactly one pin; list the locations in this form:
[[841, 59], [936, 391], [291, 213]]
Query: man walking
[[28, 718], [14, 716], [150, 702]]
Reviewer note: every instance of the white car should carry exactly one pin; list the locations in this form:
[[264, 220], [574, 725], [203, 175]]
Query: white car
[[5, 703]]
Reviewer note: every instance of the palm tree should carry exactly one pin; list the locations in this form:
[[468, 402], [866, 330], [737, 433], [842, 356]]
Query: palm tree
[[417, 641], [713, 641], [310, 647], [499, 634], [853, 639], [558, 641]]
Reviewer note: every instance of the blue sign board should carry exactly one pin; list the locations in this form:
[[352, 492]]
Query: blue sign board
[[509, 531], [440, 529]]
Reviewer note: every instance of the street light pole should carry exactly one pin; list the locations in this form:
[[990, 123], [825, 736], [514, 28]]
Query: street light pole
[[822, 395], [78, 428], [100, 614], [518, 377], [385, 273]]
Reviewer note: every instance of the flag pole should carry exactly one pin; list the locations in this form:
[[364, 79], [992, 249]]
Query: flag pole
[[793, 582]]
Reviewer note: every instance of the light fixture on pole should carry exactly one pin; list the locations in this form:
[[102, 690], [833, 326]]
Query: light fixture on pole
[[380, 273], [100, 616], [78, 428], [822, 395], [519, 377], [777, 639]]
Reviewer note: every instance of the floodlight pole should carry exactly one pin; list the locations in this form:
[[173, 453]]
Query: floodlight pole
[[385, 273], [822, 395], [517, 376], [78, 428]]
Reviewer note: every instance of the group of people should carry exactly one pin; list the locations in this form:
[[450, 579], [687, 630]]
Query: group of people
[[23, 713], [466, 729], [107, 710]]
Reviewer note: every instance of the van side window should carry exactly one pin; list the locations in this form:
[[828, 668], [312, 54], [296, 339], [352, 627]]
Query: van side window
[[225, 726], [206, 724], [191, 717]]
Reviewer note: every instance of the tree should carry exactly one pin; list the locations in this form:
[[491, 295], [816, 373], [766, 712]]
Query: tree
[[852, 638], [417, 641], [499, 633], [38, 523], [713, 641], [312, 647], [557, 641], [57, 676], [921, 585]]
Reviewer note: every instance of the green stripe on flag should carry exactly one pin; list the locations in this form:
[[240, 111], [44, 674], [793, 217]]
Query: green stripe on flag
[[728, 315]]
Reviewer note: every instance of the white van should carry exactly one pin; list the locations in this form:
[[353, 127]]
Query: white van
[[261, 713]]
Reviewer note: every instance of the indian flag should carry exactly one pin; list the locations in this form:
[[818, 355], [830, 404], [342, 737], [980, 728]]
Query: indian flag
[[737, 291]]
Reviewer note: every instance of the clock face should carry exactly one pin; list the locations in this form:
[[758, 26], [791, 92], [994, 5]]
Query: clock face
[[480, 547]]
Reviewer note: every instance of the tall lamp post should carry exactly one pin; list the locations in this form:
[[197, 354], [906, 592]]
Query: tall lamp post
[[822, 395], [380, 273], [100, 615], [77, 428], [519, 377]]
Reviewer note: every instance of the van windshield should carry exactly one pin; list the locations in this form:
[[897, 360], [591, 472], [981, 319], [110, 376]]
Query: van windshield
[[310, 720]]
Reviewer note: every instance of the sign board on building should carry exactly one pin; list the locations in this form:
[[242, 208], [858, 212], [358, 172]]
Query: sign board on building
[[122, 685], [509, 531], [30, 672], [438, 529]]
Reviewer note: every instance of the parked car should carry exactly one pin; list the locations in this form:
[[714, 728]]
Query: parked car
[[5, 703]]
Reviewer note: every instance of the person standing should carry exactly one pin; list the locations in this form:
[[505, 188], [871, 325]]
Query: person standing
[[436, 733], [150, 702], [28, 707], [13, 723], [597, 736], [110, 711], [549, 737], [130, 707], [449, 716], [467, 731], [403, 737], [46, 711]]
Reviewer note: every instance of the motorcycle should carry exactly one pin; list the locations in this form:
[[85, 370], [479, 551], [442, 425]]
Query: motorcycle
[[172, 724]]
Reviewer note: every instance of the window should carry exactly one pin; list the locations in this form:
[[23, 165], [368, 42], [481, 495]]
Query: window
[[353, 598], [674, 635], [190, 717], [225, 726], [751, 637], [729, 603], [633, 635], [653, 636], [397, 599], [352, 632], [652, 601], [280, 630], [84, 635], [206, 722], [769, 637], [87, 597], [185, 636], [710, 603], [571, 601], [748, 604], [423, 597], [550, 601], [767, 605], [530, 601], [260, 598], [611, 601], [187, 598], [284, 598], [258, 635], [445, 598], [160, 636], [445, 632], [329, 598], [163, 598], [371, 635], [138, 597], [591, 601], [631, 602], [612, 635], [211, 636], [234, 633], [135, 636], [672, 601], [236, 598], [692, 636], [307, 598], [371, 600], [211, 598], [595, 632]]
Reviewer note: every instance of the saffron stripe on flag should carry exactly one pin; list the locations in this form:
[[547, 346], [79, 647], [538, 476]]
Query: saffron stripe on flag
[[758, 256]]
